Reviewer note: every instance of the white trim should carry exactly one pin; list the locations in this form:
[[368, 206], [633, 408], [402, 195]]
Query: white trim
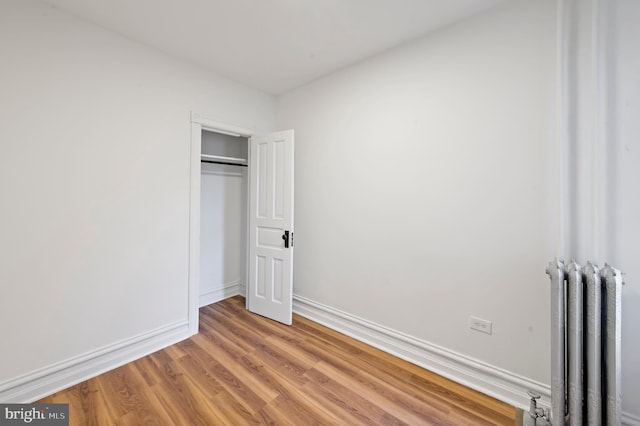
[[485, 378], [199, 123], [488, 379], [194, 227], [61, 375], [216, 126], [247, 246], [228, 290]]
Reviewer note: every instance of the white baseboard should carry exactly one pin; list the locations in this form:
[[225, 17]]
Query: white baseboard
[[43, 382], [228, 290], [490, 380]]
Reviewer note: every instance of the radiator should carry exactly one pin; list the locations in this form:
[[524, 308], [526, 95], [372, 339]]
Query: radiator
[[585, 344]]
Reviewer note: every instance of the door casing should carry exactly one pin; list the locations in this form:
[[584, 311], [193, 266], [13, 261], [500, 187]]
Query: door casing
[[198, 124]]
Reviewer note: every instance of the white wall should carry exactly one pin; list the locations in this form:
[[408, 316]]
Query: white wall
[[625, 184], [94, 183], [426, 187], [600, 173], [223, 231]]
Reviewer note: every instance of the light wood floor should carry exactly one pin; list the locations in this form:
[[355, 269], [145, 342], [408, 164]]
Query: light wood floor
[[245, 369]]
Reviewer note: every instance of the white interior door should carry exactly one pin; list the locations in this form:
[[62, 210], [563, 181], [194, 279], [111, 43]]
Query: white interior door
[[270, 288]]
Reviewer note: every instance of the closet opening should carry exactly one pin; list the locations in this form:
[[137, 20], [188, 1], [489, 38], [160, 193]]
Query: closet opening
[[240, 208], [223, 216]]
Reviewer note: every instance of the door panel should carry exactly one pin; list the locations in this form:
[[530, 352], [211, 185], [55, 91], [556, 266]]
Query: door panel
[[270, 289]]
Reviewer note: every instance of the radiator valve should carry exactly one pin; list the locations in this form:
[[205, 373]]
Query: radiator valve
[[536, 415]]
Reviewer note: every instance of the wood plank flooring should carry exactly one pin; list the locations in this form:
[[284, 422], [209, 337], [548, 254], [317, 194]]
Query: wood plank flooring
[[245, 369]]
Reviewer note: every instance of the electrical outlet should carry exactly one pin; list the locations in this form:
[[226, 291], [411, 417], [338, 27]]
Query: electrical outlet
[[480, 325]]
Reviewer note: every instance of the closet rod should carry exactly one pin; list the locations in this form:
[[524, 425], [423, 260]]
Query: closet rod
[[223, 162], [234, 160]]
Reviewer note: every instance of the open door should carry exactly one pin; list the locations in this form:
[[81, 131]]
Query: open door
[[270, 281]]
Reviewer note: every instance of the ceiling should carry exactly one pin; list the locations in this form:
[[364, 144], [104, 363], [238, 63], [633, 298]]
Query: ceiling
[[272, 45]]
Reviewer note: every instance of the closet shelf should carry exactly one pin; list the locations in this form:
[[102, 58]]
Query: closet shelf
[[223, 159]]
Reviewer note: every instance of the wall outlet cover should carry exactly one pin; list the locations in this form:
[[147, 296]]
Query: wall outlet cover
[[481, 325]]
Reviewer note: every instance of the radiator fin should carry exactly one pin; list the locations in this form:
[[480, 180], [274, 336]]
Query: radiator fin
[[585, 344]]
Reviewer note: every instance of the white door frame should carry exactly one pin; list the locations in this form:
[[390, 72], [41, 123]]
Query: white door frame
[[198, 124]]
